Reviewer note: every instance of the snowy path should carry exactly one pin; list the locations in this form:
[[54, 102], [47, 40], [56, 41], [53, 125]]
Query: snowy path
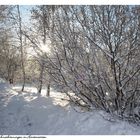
[[27, 114]]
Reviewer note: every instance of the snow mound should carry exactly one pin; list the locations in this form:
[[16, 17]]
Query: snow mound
[[28, 114], [5, 88], [2, 80], [4, 85]]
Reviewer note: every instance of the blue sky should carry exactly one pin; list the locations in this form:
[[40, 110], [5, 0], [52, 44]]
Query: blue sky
[[25, 11]]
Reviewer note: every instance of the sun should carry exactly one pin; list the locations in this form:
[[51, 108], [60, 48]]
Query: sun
[[45, 48]]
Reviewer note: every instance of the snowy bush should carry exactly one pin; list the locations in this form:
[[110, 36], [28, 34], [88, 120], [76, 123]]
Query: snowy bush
[[95, 54]]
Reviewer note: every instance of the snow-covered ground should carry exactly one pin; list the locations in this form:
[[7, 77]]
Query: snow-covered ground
[[25, 113]]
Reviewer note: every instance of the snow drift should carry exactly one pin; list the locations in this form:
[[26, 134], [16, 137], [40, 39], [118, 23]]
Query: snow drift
[[26, 114]]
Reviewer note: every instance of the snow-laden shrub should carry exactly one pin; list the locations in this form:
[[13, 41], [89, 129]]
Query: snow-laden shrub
[[94, 54]]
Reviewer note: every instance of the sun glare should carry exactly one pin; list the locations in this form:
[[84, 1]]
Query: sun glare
[[45, 48]]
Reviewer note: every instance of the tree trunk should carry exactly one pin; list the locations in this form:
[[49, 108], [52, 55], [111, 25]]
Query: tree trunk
[[48, 89], [41, 79], [21, 47]]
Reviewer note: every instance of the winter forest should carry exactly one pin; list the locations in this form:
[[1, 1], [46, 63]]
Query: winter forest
[[69, 69]]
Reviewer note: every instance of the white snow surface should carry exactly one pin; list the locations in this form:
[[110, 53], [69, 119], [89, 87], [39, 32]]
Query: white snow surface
[[26, 114]]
